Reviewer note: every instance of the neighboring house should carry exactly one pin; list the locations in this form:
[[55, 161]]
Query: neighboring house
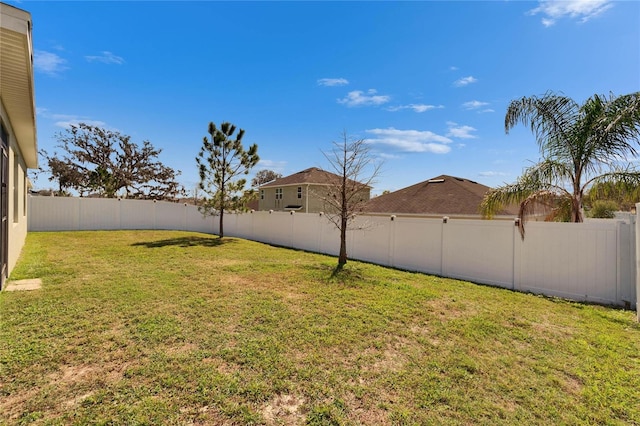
[[19, 150], [441, 196], [302, 191]]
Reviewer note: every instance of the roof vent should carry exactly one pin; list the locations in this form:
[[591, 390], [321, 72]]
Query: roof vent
[[436, 180]]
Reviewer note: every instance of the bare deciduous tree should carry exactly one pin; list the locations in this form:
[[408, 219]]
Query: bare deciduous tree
[[355, 169]]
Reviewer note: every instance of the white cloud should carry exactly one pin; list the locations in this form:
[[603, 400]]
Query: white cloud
[[48, 63], [411, 140], [492, 174], [453, 68], [66, 120], [415, 107], [106, 57], [65, 124], [474, 104], [387, 156], [461, 132], [465, 81], [333, 82], [359, 98], [277, 166], [583, 10], [486, 110], [547, 22]]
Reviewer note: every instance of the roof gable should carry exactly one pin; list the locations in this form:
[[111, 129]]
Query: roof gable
[[312, 175]]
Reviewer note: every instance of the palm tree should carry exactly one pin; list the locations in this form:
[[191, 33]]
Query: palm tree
[[581, 145]]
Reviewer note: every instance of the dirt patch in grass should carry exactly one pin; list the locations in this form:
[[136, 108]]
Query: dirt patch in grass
[[284, 410], [389, 360], [446, 309], [64, 383], [12, 405], [184, 330]]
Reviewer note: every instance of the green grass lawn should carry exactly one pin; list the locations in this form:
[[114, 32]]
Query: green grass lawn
[[156, 327]]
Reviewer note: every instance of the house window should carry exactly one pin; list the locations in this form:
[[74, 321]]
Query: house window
[[299, 192], [278, 193], [262, 194], [16, 187], [24, 195]]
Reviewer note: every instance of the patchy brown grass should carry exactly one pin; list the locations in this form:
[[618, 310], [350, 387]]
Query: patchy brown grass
[[154, 327]]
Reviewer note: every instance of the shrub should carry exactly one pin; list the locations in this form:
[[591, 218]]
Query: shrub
[[603, 209]]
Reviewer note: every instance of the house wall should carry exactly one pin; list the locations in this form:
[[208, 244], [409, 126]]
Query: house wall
[[17, 194], [17, 112], [592, 261], [311, 200]]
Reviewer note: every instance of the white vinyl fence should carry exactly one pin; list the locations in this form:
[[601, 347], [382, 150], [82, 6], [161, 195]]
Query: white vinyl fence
[[593, 261]]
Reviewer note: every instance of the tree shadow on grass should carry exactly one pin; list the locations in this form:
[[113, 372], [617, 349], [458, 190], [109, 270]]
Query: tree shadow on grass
[[186, 242], [350, 276]]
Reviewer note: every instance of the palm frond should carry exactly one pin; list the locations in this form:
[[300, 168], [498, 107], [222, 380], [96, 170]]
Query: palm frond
[[550, 204], [609, 129], [549, 116]]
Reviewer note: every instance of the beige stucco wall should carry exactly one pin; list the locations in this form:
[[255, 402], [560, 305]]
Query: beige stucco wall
[[267, 200], [311, 200], [17, 193]]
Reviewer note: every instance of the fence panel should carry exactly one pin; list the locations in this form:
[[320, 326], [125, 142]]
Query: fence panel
[[279, 230], [305, 232], [329, 238], [53, 214], [593, 261], [479, 250], [243, 225], [626, 291], [417, 244], [170, 216], [573, 260], [195, 221], [370, 239], [261, 226], [97, 213]]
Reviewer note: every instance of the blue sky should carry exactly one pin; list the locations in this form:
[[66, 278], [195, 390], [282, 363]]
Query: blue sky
[[425, 83]]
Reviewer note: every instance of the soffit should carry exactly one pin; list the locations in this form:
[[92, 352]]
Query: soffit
[[16, 80]]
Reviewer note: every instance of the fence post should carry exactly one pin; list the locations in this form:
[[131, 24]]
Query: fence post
[[637, 265], [443, 237], [516, 252], [391, 251]]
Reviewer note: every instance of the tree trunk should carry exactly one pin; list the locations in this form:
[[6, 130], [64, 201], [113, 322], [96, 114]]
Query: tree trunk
[[342, 258], [576, 207], [221, 230], [222, 198]]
